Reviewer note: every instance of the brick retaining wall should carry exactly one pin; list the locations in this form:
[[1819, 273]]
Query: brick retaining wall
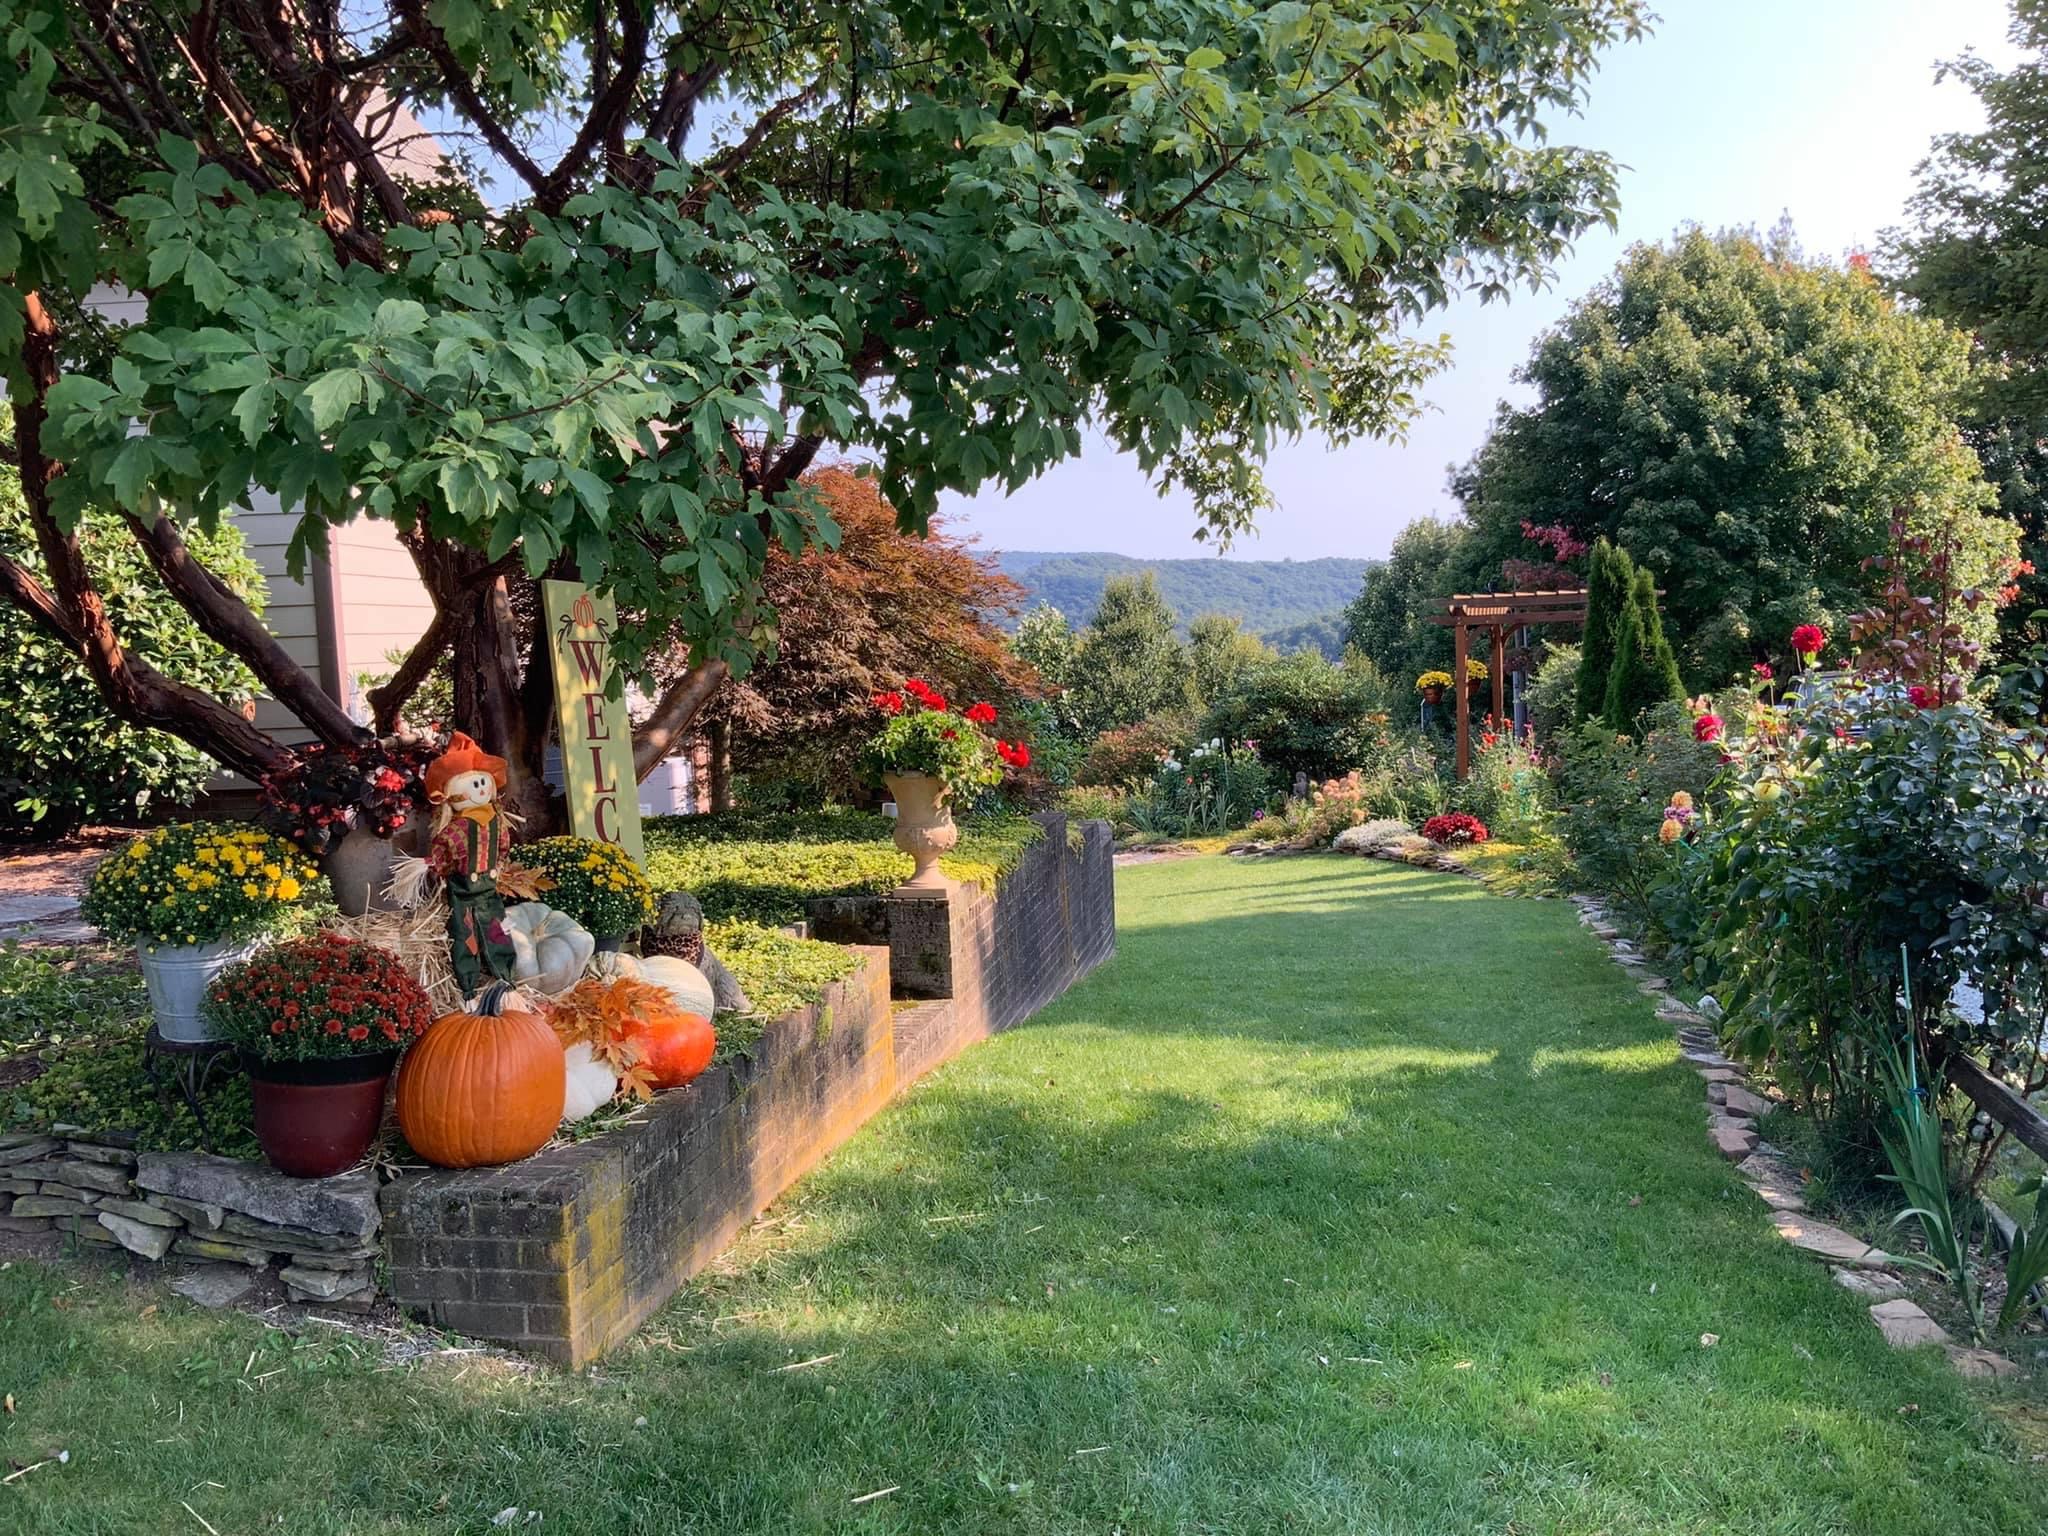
[[568, 1252]]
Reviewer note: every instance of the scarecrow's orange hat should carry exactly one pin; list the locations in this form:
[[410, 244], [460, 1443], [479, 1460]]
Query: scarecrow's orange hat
[[462, 756]]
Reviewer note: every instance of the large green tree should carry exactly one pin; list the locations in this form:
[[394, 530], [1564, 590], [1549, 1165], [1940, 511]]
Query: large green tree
[[718, 239], [1744, 423], [1978, 258], [1388, 620], [1130, 662]]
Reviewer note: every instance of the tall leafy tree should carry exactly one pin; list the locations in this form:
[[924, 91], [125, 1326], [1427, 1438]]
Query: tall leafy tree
[[1130, 662], [1220, 653], [1644, 673], [1046, 642], [1610, 578], [1977, 257], [1387, 621], [718, 238], [1745, 423]]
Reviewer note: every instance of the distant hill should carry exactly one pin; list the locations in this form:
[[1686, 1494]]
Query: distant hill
[[1288, 602]]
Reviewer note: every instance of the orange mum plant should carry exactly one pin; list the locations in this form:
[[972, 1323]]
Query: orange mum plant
[[612, 1017]]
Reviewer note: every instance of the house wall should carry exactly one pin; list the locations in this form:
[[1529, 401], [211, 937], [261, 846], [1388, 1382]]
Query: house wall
[[380, 605]]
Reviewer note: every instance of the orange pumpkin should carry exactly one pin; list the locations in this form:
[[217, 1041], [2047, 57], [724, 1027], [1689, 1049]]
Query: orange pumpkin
[[672, 1045], [482, 1087]]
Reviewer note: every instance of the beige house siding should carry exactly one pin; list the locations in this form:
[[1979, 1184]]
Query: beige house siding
[[380, 605]]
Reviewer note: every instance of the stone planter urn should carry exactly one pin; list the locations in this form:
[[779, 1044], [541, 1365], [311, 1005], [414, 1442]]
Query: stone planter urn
[[316, 1118], [924, 826], [359, 868], [177, 976]]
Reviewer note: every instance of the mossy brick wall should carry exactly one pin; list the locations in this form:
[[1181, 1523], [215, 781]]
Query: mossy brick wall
[[568, 1252], [988, 962]]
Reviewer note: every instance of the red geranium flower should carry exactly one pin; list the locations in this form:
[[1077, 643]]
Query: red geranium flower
[[1707, 728], [1809, 640], [1763, 670], [1923, 697], [889, 703], [982, 714]]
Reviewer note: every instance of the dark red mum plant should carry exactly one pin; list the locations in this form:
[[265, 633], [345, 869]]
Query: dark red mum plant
[[322, 996], [1456, 828]]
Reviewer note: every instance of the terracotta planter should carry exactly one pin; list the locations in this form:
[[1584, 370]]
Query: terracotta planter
[[924, 826], [316, 1118], [1433, 694]]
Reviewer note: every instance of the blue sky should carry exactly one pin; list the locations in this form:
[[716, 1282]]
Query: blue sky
[[1734, 112]]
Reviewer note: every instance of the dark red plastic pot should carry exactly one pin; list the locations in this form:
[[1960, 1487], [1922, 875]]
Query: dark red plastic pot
[[315, 1118]]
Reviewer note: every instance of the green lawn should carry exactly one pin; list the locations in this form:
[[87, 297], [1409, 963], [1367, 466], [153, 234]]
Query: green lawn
[[1347, 1198]]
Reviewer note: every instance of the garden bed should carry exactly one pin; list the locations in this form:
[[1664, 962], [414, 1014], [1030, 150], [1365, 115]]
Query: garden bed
[[566, 1251]]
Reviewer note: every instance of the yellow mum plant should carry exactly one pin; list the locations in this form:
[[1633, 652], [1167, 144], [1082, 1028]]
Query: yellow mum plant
[[198, 883], [596, 883]]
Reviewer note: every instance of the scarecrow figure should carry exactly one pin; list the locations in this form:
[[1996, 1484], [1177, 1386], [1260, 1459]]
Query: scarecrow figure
[[472, 837]]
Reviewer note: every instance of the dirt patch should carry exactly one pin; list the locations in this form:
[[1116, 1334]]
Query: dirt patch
[[58, 868]]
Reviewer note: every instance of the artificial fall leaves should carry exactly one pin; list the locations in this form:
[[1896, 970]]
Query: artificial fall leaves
[[609, 1016]]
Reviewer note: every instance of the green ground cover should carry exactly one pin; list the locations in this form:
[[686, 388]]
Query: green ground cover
[[763, 869], [1348, 1198]]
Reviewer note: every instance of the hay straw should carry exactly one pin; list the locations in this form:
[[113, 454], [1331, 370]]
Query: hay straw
[[420, 940]]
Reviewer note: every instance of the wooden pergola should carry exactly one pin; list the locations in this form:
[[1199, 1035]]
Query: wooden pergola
[[1497, 613]]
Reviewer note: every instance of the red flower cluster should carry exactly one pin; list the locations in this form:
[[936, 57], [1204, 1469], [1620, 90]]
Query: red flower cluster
[[889, 703], [1707, 728], [1763, 670], [1924, 697], [924, 693], [1015, 753], [321, 996], [1809, 640], [983, 713], [1457, 827], [320, 791]]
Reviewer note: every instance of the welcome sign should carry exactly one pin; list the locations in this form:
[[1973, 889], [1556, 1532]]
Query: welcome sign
[[597, 738]]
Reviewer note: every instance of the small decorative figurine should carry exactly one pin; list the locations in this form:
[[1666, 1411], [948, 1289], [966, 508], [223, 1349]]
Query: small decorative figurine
[[678, 930], [472, 838]]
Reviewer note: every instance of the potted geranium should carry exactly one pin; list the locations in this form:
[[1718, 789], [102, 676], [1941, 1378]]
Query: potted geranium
[[352, 809], [194, 897], [928, 755], [596, 883], [320, 1022]]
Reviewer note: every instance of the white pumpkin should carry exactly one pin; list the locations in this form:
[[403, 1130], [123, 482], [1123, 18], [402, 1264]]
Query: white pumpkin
[[549, 948], [591, 1083], [690, 987]]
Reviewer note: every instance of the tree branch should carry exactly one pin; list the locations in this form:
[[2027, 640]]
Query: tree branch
[[391, 696], [134, 690], [674, 713], [226, 619], [456, 78]]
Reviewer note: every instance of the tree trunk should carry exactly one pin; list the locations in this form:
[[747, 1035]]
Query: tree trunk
[[720, 739]]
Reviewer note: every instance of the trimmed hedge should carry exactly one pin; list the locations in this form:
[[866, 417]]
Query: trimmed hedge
[[762, 869]]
